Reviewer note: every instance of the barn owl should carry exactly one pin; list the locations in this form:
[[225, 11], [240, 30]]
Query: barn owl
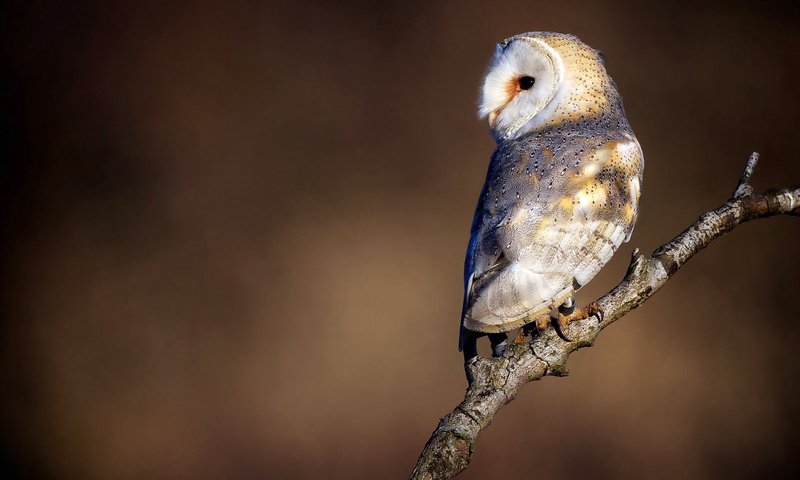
[[562, 189]]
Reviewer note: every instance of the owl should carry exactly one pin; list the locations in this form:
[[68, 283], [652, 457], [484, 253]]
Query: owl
[[562, 190]]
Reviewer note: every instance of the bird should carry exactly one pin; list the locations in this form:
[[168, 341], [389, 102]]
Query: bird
[[561, 192]]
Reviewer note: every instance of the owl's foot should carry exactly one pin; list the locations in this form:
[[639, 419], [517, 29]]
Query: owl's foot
[[568, 314], [540, 323]]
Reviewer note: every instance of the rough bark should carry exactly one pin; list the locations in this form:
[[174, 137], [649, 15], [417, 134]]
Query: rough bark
[[494, 382]]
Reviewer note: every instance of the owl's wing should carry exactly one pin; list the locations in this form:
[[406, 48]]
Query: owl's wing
[[547, 247], [497, 262]]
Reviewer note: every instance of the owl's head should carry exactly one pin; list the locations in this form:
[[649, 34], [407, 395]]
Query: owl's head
[[541, 78]]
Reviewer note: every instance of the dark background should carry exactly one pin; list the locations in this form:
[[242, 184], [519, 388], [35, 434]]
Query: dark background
[[233, 239]]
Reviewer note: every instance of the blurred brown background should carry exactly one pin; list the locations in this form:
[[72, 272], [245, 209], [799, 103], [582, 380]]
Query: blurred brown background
[[233, 238]]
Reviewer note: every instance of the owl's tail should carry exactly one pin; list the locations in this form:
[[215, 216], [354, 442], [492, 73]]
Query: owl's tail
[[515, 296]]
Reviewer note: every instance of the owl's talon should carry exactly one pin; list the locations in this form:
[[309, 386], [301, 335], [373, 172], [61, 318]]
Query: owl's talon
[[557, 324], [560, 324], [594, 310], [542, 322]]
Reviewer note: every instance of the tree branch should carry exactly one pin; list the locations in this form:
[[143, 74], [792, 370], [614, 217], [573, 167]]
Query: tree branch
[[494, 382]]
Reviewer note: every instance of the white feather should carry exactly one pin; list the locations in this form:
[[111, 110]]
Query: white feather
[[508, 107]]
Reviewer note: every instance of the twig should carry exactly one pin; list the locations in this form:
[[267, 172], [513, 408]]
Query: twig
[[744, 188], [494, 382]]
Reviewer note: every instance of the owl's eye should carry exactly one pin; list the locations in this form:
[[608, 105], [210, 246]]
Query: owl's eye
[[525, 83]]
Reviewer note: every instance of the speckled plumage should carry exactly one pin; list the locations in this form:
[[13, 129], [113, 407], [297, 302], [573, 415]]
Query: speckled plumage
[[562, 189]]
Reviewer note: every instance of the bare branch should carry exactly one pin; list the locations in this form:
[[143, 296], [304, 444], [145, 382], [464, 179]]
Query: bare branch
[[494, 382]]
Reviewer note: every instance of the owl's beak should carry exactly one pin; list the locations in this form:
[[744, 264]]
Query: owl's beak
[[493, 119]]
